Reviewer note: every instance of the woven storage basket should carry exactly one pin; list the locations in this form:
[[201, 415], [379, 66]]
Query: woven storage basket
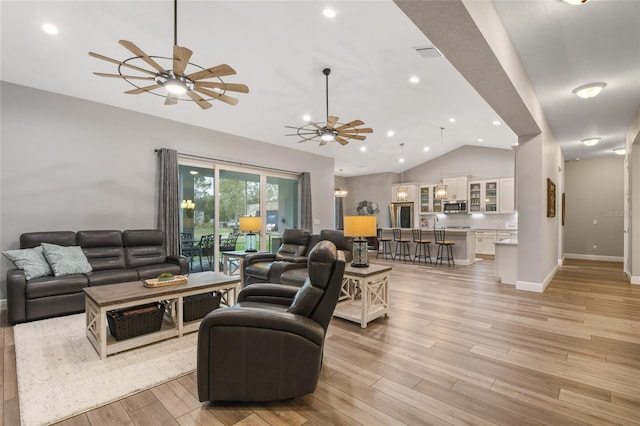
[[199, 305], [135, 321]]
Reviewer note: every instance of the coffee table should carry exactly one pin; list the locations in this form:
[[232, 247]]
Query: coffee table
[[100, 299]]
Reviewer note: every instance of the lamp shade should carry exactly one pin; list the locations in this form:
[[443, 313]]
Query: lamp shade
[[250, 223], [360, 226]]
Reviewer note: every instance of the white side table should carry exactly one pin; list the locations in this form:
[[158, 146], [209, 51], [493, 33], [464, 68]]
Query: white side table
[[364, 295]]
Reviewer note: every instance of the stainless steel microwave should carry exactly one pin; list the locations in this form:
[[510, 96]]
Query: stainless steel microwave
[[455, 207]]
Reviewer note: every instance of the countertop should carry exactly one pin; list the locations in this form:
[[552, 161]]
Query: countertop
[[507, 242]]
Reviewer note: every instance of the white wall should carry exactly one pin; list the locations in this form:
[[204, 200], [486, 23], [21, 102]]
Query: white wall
[[70, 164]]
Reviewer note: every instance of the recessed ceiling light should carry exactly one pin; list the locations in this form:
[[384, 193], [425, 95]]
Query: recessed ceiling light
[[452, 120], [425, 149], [620, 151], [590, 141], [363, 148], [50, 29], [414, 79], [401, 160], [391, 133], [480, 140], [306, 117], [577, 158], [590, 90], [495, 123], [329, 13], [575, 2]]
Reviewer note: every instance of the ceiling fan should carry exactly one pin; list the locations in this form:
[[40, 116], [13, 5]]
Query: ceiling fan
[[172, 82], [331, 130]]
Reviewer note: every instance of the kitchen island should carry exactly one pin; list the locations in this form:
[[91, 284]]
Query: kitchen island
[[464, 248]]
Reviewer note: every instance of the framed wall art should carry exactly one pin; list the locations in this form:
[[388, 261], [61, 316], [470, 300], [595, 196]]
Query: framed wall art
[[551, 198]]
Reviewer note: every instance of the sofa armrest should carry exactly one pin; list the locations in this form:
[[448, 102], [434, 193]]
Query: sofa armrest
[[268, 293], [258, 257], [278, 267], [292, 259], [16, 296], [181, 261]]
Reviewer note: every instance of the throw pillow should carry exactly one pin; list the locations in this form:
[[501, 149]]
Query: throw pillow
[[66, 260], [31, 261]]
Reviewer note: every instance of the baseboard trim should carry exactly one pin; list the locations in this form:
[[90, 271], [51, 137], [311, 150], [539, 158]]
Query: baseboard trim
[[635, 280], [594, 257], [537, 287]]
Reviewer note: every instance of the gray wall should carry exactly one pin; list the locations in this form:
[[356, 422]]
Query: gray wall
[[594, 190], [70, 164], [375, 188]]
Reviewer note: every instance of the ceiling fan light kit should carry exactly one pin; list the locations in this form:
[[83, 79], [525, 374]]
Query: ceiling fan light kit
[[176, 81], [331, 130]]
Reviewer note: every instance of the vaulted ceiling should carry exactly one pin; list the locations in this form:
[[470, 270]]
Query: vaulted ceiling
[[279, 49]]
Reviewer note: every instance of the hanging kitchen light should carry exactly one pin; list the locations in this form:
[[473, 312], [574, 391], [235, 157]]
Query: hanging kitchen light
[[441, 192], [401, 192]]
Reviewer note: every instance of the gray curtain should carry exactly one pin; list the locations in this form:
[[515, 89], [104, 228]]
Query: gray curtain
[[168, 213], [339, 212], [306, 221]]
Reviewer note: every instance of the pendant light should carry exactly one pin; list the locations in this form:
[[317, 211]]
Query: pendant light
[[401, 192], [441, 192]]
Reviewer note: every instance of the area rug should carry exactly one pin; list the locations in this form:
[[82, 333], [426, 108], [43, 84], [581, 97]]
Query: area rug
[[61, 375]]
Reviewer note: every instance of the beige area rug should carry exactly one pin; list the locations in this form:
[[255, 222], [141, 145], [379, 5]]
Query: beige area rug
[[60, 374]]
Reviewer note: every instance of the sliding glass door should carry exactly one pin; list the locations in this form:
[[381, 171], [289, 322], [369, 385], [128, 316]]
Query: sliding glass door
[[213, 197]]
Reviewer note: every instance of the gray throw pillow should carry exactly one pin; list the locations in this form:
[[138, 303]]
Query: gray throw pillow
[[31, 261], [66, 260]]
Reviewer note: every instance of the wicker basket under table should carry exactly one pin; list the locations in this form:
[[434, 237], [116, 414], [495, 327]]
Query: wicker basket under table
[[135, 321], [199, 305]]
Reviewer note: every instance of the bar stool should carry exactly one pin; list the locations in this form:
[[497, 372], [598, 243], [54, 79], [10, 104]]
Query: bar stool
[[421, 244], [384, 246], [445, 248], [402, 245]]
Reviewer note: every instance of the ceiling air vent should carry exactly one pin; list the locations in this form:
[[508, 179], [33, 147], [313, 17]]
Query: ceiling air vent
[[429, 52]]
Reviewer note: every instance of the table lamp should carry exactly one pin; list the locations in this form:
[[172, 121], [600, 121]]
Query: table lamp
[[250, 224], [360, 227]]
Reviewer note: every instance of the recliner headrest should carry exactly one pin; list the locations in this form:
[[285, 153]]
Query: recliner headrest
[[295, 236], [320, 263]]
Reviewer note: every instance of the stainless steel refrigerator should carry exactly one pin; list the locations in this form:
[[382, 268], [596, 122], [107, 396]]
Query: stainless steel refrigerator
[[401, 215]]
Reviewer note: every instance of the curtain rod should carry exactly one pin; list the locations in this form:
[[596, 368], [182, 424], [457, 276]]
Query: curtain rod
[[235, 163]]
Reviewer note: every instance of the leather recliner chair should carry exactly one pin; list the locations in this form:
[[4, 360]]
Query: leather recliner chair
[[269, 345], [267, 267]]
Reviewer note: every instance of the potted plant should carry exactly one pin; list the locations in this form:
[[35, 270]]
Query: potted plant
[[166, 276]]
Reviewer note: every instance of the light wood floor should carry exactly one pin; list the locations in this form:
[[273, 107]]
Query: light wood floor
[[458, 348]]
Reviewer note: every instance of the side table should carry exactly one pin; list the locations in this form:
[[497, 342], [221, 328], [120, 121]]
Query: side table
[[232, 262], [364, 295]]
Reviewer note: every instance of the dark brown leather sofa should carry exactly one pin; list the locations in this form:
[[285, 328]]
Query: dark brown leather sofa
[[269, 345], [289, 264], [114, 257]]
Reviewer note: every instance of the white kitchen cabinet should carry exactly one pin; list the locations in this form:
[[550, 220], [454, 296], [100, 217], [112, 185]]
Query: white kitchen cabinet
[[507, 194], [410, 190], [485, 240], [483, 196], [457, 188], [426, 192]]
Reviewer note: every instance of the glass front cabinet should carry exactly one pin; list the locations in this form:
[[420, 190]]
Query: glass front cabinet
[[428, 203], [483, 196]]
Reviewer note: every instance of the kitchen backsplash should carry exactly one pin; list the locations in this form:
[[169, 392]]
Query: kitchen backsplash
[[477, 221]]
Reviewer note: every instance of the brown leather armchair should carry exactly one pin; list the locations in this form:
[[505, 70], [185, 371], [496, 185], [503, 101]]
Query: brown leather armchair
[[269, 345], [267, 267]]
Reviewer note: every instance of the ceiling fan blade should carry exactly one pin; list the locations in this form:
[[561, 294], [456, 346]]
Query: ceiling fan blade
[[241, 88], [181, 56], [217, 71], [358, 137], [340, 140], [142, 89], [138, 52], [115, 61], [171, 99], [315, 125], [218, 96], [356, 131], [129, 77], [353, 123], [331, 121], [198, 99]]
